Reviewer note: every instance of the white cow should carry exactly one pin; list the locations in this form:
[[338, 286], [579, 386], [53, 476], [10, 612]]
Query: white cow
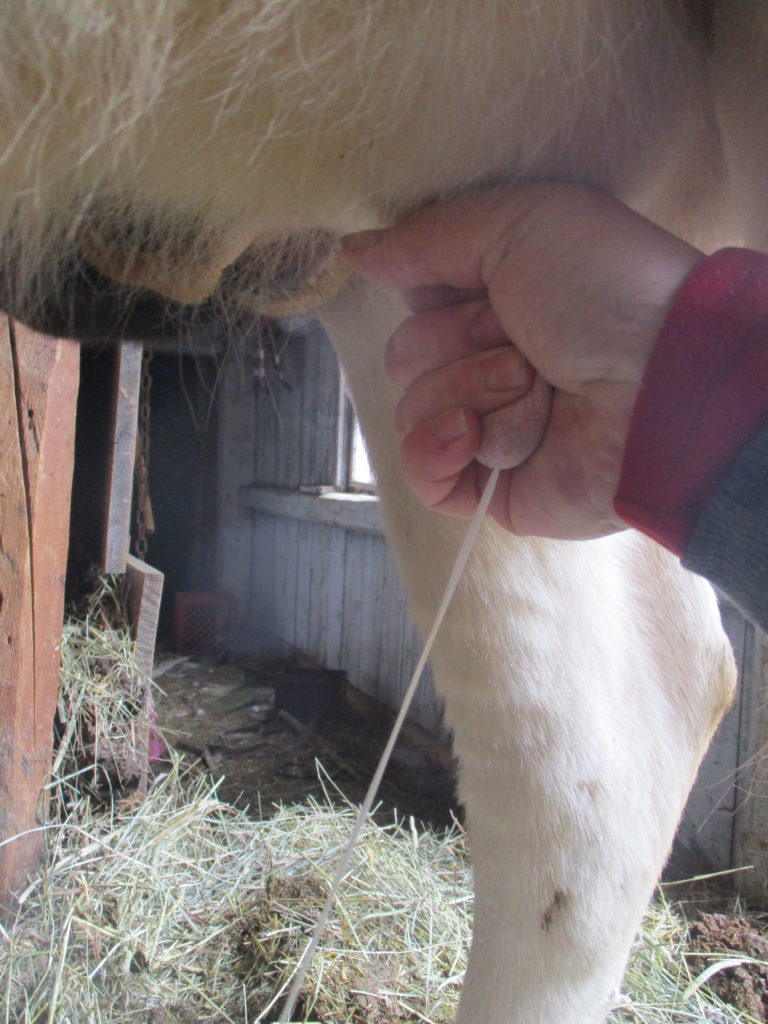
[[212, 151]]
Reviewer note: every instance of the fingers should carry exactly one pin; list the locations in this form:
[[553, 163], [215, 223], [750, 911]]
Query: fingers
[[484, 383], [437, 462], [430, 340]]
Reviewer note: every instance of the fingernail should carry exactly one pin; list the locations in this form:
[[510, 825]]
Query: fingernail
[[359, 241], [505, 370], [453, 426]]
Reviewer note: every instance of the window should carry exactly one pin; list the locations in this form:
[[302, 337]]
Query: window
[[360, 474], [354, 470]]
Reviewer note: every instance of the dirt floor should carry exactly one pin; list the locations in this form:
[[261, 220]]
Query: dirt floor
[[743, 984], [266, 726]]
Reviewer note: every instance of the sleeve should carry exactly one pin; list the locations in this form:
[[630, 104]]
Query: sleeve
[[729, 542], [694, 475]]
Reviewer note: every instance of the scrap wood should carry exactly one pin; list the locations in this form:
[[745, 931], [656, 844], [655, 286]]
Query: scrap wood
[[323, 746], [437, 751], [224, 748], [161, 667], [330, 752], [247, 696]]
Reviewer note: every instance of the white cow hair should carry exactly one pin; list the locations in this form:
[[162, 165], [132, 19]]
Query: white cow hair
[[191, 127]]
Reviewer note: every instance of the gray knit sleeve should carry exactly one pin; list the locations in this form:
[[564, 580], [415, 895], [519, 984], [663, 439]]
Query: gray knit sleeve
[[729, 544]]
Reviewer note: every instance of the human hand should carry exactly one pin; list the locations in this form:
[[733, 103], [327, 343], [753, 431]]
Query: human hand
[[565, 277]]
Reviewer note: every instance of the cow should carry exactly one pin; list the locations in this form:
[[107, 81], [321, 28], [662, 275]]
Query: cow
[[179, 161]]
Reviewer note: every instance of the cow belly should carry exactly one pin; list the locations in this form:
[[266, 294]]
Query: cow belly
[[582, 683]]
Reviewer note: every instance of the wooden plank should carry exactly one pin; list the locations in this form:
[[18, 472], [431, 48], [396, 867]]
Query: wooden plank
[[751, 820], [350, 639], [320, 409], [362, 603], [375, 600], [234, 528], [38, 391], [392, 680], [18, 770], [310, 472], [284, 578], [319, 592], [48, 383], [324, 747], [438, 750], [125, 408], [277, 460], [287, 436], [145, 590], [261, 624], [266, 425], [704, 838], [305, 570], [358, 512], [327, 594]]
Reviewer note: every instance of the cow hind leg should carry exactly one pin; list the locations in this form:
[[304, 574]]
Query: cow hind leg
[[582, 683]]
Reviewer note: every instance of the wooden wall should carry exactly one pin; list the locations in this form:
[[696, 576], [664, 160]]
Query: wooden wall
[[332, 592]]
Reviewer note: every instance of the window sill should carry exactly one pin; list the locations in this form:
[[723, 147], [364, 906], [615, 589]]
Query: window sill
[[359, 512]]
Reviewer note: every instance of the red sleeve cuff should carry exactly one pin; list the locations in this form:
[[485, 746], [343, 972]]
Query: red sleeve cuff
[[704, 395]]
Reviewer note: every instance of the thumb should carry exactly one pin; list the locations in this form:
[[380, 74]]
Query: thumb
[[439, 244]]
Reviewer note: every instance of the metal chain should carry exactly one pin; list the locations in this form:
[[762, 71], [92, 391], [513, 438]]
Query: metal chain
[[144, 523]]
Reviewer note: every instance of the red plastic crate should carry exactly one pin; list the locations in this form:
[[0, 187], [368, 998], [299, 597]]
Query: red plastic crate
[[203, 621]]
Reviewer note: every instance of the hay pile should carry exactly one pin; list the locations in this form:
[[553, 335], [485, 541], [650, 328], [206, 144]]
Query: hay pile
[[181, 909], [184, 909], [101, 713]]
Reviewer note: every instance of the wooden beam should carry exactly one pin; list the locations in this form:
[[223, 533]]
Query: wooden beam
[[38, 392], [125, 405], [359, 512]]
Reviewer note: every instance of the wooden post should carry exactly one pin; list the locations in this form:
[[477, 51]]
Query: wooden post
[[38, 391]]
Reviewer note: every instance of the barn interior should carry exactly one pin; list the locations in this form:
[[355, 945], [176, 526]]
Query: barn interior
[[269, 612], [279, 600], [259, 497]]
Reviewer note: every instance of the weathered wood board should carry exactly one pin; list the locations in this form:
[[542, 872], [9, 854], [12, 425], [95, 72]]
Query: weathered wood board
[[38, 392], [125, 405], [145, 590], [750, 833]]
